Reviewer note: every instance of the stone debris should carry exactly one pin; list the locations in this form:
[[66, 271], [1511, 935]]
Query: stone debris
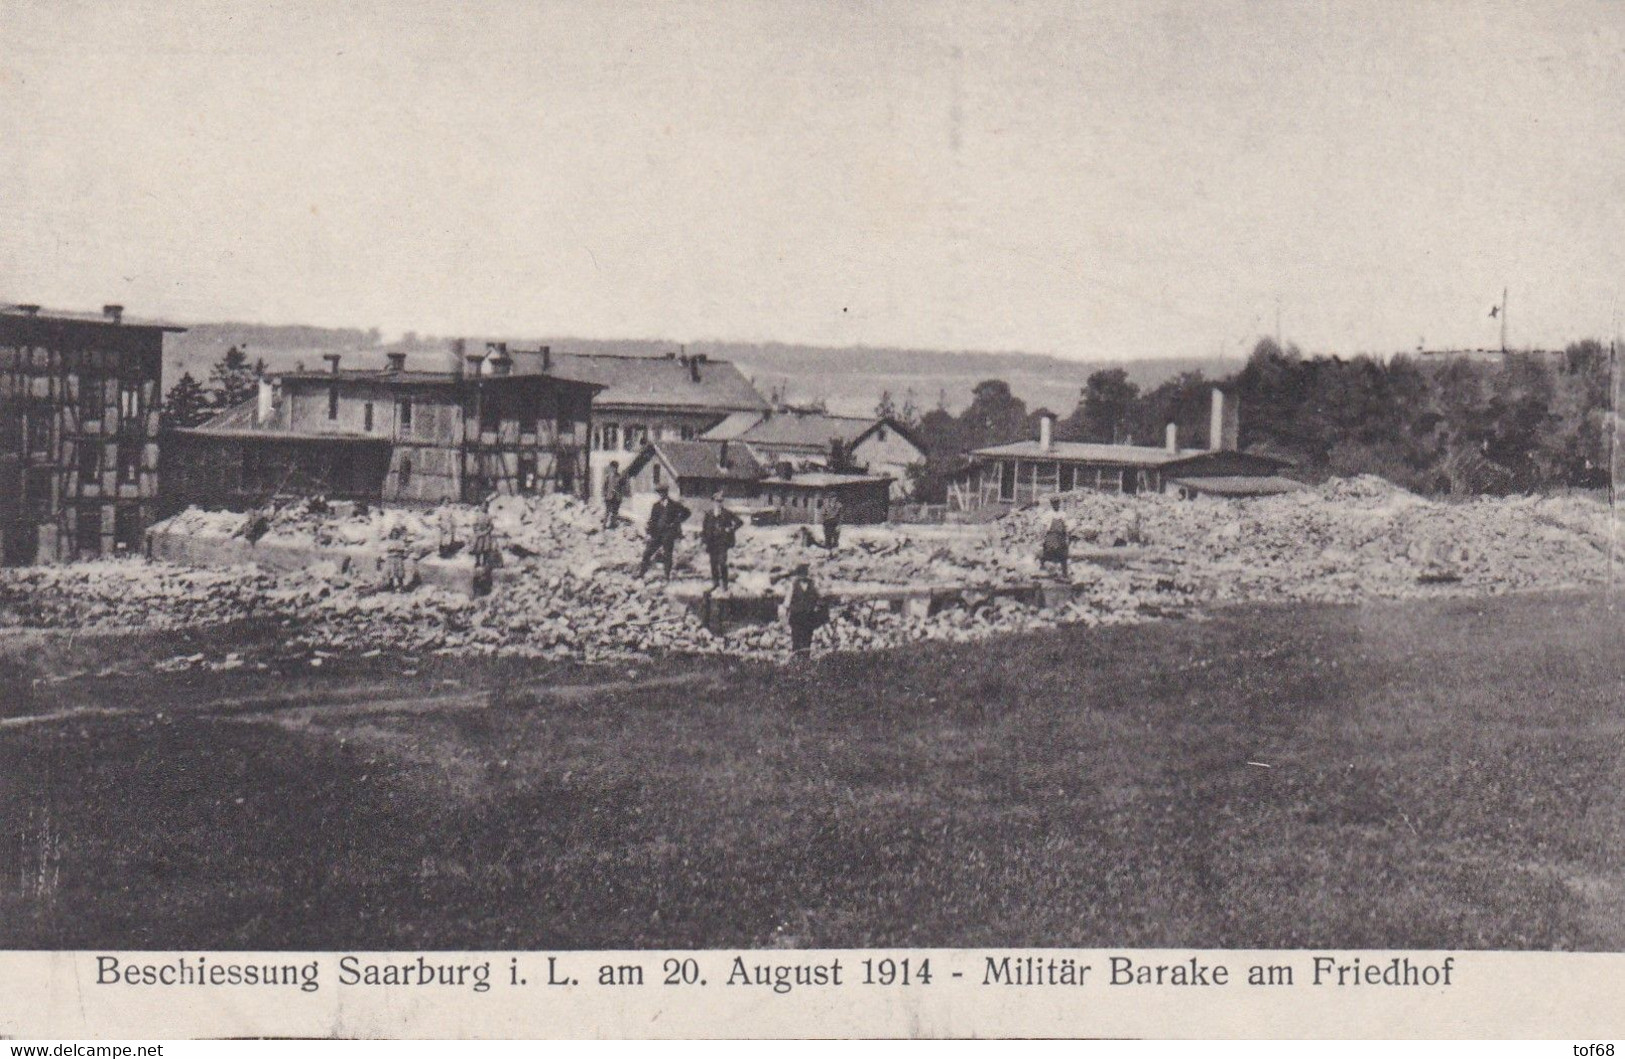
[[568, 590]]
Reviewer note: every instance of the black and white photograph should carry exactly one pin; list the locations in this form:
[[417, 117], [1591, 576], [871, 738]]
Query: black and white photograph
[[773, 478]]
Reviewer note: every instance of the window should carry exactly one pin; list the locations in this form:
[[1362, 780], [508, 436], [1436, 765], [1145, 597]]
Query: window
[[654, 473], [90, 396], [129, 462], [527, 472], [129, 405], [609, 437], [90, 462], [686, 433], [127, 528], [635, 437], [366, 416], [490, 414], [1007, 480], [406, 413], [332, 402], [39, 428], [88, 531], [1066, 478], [406, 472], [40, 490]]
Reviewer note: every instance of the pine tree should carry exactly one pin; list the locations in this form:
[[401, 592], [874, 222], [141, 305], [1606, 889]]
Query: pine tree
[[233, 379], [186, 404]]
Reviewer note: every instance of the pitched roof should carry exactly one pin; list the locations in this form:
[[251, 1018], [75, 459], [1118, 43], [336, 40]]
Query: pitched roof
[[807, 430], [657, 382], [733, 425], [702, 459], [1089, 452], [239, 416]]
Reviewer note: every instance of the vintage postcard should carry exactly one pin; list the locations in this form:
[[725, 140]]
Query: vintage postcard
[[827, 519]]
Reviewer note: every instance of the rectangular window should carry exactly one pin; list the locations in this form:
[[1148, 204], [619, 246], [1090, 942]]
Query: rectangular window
[[129, 406], [366, 416], [1066, 478], [406, 414], [39, 489], [88, 532], [654, 473], [612, 436], [129, 462], [332, 402], [127, 528], [90, 396], [490, 414], [527, 473], [406, 472], [90, 462], [39, 428], [1007, 480]]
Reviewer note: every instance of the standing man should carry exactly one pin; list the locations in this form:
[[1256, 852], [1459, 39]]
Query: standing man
[[484, 549], [614, 486], [804, 610], [832, 522], [666, 520], [446, 530], [395, 554], [718, 533], [1057, 546]]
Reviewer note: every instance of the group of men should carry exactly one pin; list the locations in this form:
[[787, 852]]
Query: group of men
[[804, 608]]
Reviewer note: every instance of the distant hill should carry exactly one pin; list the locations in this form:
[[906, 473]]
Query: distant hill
[[849, 379]]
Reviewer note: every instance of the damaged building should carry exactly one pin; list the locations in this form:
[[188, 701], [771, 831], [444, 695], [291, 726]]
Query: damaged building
[[459, 432], [80, 400]]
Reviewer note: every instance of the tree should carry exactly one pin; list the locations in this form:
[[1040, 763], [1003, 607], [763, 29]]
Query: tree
[[186, 404], [994, 417], [1105, 409], [885, 408], [233, 379]]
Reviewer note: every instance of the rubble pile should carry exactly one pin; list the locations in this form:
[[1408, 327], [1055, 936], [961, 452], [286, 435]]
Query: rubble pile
[[569, 589]]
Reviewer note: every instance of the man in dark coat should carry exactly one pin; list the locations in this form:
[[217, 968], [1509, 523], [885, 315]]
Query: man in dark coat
[[666, 520], [804, 610], [718, 533]]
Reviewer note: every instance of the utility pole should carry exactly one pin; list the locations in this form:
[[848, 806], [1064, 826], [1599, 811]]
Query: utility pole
[[1503, 319]]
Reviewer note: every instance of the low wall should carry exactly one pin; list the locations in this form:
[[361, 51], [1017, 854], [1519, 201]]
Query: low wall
[[357, 561]]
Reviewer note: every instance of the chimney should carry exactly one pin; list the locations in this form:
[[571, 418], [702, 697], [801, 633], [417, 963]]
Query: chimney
[[29, 310], [1046, 432], [1224, 423], [114, 313], [547, 359], [1171, 432], [694, 369], [332, 362], [501, 363], [457, 348], [397, 362], [722, 456], [472, 363], [266, 404]]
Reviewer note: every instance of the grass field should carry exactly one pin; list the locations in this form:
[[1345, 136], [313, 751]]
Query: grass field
[[1439, 774]]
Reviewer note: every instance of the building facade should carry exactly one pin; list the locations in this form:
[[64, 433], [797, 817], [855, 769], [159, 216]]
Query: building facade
[[80, 405], [817, 441], [391, 436], [674, 397]]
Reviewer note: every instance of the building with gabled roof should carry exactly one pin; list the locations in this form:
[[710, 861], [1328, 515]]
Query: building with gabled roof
[[816, 440], [696, 469], [671, 397]]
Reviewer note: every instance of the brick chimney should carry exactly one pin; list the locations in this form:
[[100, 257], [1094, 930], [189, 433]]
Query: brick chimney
[[332, 362], [694, 367], [547, 359], [397, 362], [114, 313]]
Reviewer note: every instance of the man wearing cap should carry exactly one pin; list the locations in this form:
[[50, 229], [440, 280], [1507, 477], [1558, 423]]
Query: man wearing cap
[[718, 533], [666, 520], [831, 517], [804, 609]]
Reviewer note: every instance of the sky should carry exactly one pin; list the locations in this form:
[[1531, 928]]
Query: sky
[[1092, 180]]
